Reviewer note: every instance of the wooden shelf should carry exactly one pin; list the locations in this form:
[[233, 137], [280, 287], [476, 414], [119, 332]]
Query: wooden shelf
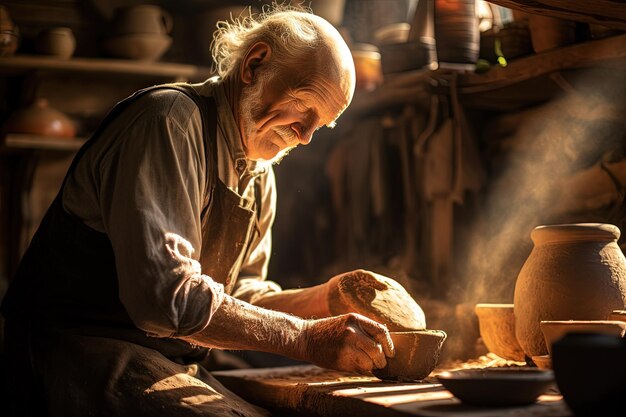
[[609, 13], [17, 141], [19, 64], [609, 52]]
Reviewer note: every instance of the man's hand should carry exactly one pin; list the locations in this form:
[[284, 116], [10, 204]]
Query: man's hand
[[375, 296], [349, 342]]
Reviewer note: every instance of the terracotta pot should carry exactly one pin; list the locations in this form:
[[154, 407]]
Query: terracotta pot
[[143, 18], [58, 42], [368, 66], [40, 119], [497, 328], [417, 354], [574, 272], [139, 46], [9, 34]]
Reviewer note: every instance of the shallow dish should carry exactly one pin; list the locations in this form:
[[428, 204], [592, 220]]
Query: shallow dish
[[497, 386], [553, 330]]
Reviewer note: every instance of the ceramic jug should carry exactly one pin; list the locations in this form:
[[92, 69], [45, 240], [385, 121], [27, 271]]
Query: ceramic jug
[[144, 18], [574, 272]]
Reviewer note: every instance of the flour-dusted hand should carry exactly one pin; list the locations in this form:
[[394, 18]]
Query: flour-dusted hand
[[378, 297], [349, 342]]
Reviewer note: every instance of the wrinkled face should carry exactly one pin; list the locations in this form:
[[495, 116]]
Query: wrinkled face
[[282, 109]]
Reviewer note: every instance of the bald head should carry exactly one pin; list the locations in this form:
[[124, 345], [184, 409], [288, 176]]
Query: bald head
[[298, 40]]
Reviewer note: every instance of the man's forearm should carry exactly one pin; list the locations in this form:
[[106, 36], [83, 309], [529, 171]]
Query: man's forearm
[[311, 302], [238, 325]]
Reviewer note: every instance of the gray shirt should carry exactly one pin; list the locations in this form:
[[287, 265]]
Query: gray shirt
[[142, 183]]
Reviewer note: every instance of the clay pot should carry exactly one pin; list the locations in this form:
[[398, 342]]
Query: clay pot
[[58, 42], [9, 34], [497, 328], [144, 18], [417, 354], [554, 330], [574, 272], [368, 67], [139, 46], [40, 119]]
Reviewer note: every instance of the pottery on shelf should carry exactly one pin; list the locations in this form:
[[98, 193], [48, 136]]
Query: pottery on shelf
[[574, 272], [139, 46], [139, 32], [40, 119], [143, 18], [497, 329], [9, 34], [58, 42], [417, 354]]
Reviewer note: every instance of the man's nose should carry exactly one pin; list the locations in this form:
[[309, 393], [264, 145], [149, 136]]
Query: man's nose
[[307, 129]]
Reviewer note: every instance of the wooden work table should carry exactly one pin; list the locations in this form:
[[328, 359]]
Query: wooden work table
[[306, 390]]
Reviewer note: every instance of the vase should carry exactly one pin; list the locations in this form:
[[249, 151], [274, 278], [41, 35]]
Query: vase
[[574, 272]]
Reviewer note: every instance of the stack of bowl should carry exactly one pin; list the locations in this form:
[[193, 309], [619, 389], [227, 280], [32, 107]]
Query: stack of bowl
[[139, 32]]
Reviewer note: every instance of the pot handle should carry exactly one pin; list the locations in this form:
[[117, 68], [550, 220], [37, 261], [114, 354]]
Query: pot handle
[[168, 22]]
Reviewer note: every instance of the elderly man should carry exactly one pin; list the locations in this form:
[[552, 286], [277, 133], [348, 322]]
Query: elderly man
[[156, 247]]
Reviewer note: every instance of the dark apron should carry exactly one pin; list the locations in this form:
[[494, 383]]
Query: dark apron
[[66, 287]]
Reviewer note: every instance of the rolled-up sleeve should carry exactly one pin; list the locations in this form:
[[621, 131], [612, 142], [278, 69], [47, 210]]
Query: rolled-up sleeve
[[253, 283], [151, 198]]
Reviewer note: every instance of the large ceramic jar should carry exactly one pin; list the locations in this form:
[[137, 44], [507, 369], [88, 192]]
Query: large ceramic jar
[[574, 272]]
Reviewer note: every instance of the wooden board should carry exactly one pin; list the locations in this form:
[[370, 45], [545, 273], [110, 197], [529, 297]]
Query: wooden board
[[309, 390], [609, 13]]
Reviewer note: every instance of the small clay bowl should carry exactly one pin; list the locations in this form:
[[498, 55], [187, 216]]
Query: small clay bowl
[[497, 386], [619, 315], [553, 330], [496, 323], [542, 361], [417, 354]]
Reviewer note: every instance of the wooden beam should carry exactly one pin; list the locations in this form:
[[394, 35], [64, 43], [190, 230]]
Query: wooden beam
[[609, 13], [581, 55]]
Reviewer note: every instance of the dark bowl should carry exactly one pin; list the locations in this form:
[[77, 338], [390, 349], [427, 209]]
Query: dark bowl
[[497, 386], [590, 372]]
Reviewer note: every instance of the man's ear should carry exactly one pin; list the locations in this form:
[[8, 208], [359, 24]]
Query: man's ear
[[259, 53]]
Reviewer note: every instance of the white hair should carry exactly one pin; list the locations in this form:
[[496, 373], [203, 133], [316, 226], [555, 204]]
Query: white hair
[[290, 31]]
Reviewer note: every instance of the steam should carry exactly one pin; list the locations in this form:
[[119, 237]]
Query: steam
[[531, 183]]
